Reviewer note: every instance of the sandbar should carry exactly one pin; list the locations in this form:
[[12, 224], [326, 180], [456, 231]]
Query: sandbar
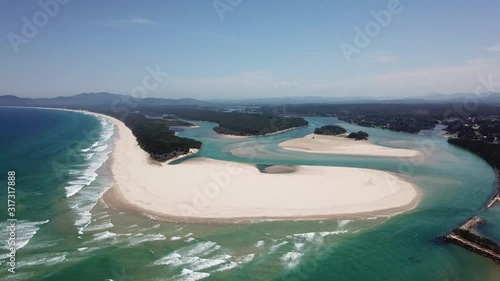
[[203, 189], [315, 143]]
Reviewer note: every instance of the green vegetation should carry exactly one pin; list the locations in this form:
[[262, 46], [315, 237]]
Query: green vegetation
[[330, 130], [236, 123], [154, 137], [480, 135], [410, 118], [337, 130], [488, 151], [176, 123], [170, 121], [358, 136]]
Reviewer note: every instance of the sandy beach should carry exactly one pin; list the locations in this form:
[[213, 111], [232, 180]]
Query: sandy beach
[[210, 189], [314, 143]]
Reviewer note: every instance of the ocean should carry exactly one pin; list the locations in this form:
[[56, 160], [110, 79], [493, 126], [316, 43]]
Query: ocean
[[65, 231]]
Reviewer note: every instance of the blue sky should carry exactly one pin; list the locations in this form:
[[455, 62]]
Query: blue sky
[[249, 48]]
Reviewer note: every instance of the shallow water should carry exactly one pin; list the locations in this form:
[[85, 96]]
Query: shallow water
[[69, 234]]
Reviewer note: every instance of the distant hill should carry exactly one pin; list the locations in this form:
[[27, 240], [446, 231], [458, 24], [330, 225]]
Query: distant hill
[[294, 100], [92, 99], [108, 99], [490, 98]]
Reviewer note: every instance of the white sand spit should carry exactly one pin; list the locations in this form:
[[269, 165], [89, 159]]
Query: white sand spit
[[204, 188], [314, 143]]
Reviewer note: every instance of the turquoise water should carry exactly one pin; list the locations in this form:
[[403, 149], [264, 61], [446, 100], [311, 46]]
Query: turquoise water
[[70, 234]]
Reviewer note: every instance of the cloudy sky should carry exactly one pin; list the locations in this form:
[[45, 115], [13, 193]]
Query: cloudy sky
[[248, 48]]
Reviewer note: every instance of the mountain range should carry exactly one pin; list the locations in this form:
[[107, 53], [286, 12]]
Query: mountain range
[[93, 99], [102, 99]]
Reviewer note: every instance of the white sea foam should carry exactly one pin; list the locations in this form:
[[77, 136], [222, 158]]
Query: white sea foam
[[72, 189], [90, 148], [201, 264], [228, 266], [260, 243], [42, 259], [25, 230], [84, 178], [291, 259], [310, 236], [277, 246], [173, 259], [174, 238], [202, 257], [100, 148], [82, 192], [97, 227], [202, 249], [343, 223], [298, 246], [129, 239], [326, 233], [141, 238], [317, 236], [131, 227], [103, 235], [379, 216], [189, 275], [245, 259]]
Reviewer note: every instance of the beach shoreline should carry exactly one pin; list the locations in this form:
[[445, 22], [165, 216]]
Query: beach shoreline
[[234, 192]]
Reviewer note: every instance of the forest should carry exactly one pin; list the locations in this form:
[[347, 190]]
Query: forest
[[360, 135], [154, 135], [488, 151], [330, 130], [480, 134], [402, 117], [235, 123], [395, 117]]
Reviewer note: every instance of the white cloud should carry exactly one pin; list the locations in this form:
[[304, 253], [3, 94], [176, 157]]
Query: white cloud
[[122, 22], [494, 48]]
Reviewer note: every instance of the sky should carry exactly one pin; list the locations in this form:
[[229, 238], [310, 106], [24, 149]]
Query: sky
[[234, 49]]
